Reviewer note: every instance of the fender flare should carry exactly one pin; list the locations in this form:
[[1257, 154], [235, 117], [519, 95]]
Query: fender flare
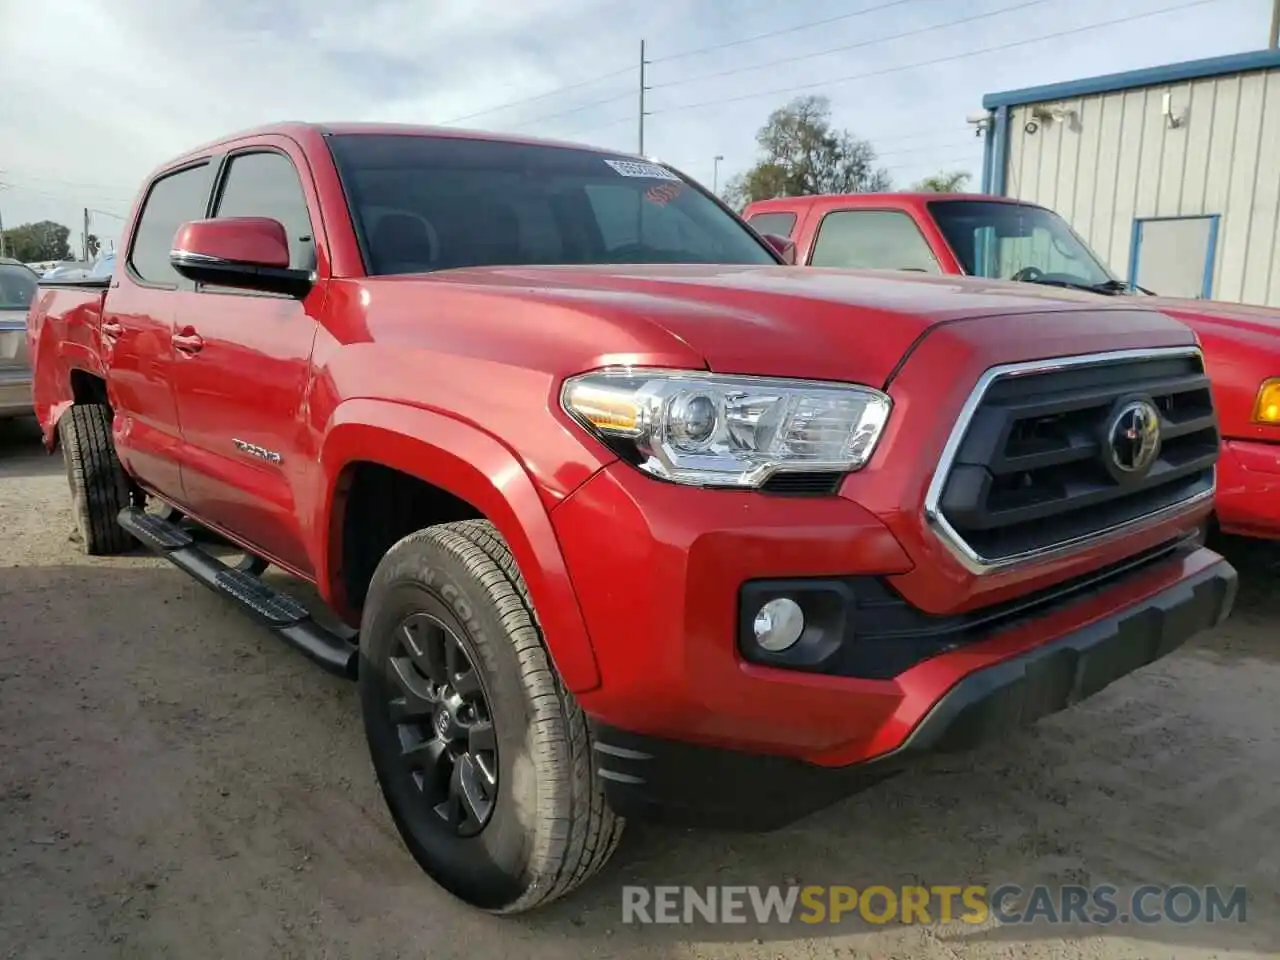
[[476, 468], [52, 364]]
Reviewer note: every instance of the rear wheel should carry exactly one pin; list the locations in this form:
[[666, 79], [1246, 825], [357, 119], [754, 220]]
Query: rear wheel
[[482, 755], [99, 486]]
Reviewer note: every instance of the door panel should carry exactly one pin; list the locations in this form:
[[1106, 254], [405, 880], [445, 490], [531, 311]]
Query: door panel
[[242, 371], [137, 332], [138, 355], [240, 399]]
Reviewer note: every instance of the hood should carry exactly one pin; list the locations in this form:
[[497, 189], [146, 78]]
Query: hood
[[781, 320], [1259, 320]]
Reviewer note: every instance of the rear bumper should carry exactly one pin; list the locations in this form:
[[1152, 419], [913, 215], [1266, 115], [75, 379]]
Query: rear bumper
[[1248, 497], [654, 778], [15, 393]]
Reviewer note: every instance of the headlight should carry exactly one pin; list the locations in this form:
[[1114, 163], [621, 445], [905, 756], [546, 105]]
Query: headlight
[[725, 431], [1267, 407]]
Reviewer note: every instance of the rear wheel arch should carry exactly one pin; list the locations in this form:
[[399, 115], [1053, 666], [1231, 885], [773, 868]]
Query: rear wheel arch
[[376, 449], [88, 387]]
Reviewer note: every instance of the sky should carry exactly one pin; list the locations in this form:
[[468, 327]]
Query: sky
[[97, 93]]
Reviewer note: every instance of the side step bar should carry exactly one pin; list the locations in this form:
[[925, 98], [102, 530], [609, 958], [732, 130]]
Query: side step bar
[[279, 611]]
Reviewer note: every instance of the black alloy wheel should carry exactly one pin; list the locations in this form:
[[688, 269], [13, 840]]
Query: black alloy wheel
[[445, 724], [483, 756]]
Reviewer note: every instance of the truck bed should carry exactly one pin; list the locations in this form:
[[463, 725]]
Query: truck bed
[[64, 317]]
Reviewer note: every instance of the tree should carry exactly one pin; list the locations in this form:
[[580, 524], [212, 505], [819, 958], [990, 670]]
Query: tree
[[803, 154], [94, 245], [45, 240], [953, 182]]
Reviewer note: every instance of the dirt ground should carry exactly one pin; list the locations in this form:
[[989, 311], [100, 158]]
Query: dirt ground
[[175, 782]]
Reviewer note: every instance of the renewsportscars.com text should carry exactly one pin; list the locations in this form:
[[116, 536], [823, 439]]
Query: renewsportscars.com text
[[973, 904]]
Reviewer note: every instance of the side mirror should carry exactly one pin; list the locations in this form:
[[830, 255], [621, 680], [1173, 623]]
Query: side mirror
[[785, 246], [250, 253]]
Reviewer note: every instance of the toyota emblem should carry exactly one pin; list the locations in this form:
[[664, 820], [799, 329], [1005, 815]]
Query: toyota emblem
[[1134, 437]]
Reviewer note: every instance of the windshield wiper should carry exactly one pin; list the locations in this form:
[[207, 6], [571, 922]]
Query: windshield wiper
[[1045, 282], [1111, 286], [1108, 287]]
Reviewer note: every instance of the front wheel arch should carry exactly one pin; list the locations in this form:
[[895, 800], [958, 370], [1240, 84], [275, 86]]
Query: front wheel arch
[[477, 470]]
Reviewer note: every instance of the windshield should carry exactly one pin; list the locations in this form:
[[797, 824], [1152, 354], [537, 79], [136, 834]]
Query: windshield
[[433, 203], [17, 287], [1010, 241]]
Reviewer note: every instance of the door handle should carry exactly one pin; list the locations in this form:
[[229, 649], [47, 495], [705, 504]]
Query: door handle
[[188, 342], [112, 329]]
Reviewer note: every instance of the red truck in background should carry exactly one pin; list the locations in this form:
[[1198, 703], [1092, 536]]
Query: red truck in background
[[1003, 239], [623, 516]]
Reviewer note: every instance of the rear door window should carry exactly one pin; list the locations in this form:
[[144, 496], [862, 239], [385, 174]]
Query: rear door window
[[872, 240], [173, 200]]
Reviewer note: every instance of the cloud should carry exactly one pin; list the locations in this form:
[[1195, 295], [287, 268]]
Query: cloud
[[99, 92]]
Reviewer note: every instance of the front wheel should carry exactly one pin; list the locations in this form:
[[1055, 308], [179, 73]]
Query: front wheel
[[482, 755]]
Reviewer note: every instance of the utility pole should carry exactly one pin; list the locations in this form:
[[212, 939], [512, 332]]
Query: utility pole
[[643, 88], [1, 235], [1275, 25], [715, 175], [85, 241]]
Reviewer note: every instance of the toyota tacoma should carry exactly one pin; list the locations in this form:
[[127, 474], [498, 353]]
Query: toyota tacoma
[[621, 516]]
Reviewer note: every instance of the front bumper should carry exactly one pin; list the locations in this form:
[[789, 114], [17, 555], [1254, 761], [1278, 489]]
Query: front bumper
[[15, 393], [1248, 497], [660, 570], [955, 706]]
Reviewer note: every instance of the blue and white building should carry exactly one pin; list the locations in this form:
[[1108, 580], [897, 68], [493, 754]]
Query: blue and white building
[[1171, 174]]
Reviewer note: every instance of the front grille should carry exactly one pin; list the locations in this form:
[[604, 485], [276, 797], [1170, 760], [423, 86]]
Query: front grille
[[1035, 466]]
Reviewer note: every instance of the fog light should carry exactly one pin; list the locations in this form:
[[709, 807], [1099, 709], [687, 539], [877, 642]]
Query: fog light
[[778, 624]]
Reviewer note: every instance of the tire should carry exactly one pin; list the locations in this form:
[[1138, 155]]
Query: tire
[[549, 828], [99, 487]]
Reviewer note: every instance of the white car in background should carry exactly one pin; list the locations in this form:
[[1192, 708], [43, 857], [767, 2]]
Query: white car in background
[[71, 270]]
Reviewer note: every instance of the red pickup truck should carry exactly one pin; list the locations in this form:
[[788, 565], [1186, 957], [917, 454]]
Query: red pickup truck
[[622, 515], [999, 238]]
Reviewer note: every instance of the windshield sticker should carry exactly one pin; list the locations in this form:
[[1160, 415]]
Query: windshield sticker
[[646, 171], [664, 193]]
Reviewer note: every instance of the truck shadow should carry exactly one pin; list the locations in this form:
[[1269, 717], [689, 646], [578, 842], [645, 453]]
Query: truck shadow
[[21, 452], [213, 751], [1253, 629], [1168, 777]]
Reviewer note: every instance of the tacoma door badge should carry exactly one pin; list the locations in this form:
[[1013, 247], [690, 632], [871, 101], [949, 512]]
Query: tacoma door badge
[[253, 450]]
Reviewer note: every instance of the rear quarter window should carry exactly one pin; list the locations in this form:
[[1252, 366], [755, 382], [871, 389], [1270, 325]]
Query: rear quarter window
[[779, 224]]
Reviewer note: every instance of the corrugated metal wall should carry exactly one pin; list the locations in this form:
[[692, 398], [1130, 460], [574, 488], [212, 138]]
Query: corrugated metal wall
[[1116, 159]]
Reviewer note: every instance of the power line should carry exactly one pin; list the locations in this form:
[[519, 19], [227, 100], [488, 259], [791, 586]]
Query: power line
[[921, 149], [60, 198], [852, 46], [778, 33], [942, 165], [578, 109], [927, 63], [591, 81], [39, 178], [541, 96]]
